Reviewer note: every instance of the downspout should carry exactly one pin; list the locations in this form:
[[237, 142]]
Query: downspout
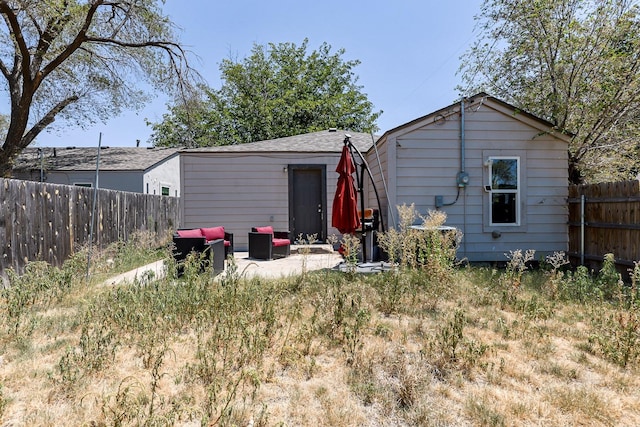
[[462, 140], [463, 176]]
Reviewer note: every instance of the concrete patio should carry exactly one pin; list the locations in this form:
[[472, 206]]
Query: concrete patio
[[308, 257]]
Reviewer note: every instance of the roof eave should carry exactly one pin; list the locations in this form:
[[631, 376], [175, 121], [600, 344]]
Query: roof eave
[[420, 121]]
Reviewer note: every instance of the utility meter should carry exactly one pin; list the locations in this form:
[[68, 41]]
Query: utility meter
[[463, 179]]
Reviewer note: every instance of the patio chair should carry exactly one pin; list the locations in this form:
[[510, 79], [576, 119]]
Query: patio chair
[[210, 234], [214, 251], [267, 244]]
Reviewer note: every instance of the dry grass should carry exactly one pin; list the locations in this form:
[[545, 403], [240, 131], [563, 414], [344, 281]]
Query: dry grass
[[405, 348]]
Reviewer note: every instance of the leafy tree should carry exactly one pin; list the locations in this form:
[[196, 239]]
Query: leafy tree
[[277, 91], [575, 63], [80, 61]]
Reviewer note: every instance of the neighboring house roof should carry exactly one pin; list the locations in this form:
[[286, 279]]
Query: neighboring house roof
[[544, 125], [327, 141], [84, 159]]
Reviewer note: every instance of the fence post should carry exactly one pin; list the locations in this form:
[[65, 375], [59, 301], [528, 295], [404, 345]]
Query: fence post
[[582, 203], [93, 208]]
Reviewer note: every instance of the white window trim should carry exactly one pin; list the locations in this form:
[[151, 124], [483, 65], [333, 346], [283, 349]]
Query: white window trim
[[503, 191]]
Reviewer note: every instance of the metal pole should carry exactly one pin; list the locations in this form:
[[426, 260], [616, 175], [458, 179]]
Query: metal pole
[[582, 201], [362, 227], [40, 152], [384, 185], [93, 209]]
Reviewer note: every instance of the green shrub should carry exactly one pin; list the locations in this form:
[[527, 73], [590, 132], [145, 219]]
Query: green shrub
[[578, 286], [451, 349], [616, 335], [392, 289], [608, 281]]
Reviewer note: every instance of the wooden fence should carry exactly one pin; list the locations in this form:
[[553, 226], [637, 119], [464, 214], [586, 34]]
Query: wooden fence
[[605, 218], [40, 221]]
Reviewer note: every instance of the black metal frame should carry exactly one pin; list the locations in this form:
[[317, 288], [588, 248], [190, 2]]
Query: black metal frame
[[363, 165]]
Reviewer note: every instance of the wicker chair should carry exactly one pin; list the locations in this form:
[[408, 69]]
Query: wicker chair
[[265, 243], [214, 251], [210, 233]]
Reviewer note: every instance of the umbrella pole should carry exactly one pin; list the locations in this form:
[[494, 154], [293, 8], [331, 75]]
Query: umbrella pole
[[360, 182], [363, 237]]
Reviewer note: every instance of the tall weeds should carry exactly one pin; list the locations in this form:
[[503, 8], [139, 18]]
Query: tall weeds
[[198, 350], [511, 280], [615, 332], [430, 248], [35, 290]]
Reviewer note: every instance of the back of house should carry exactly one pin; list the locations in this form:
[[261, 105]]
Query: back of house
[[500, 174]]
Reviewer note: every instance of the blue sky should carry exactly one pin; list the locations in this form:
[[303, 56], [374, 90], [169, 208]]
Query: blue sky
[[409, 52]]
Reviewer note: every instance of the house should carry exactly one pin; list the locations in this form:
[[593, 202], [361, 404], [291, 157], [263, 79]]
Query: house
[[288, 183], [141, 170], [499, 173]]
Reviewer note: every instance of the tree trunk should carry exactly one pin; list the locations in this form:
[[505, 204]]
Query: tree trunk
[[12, 146], [6, 162], [575, 175]]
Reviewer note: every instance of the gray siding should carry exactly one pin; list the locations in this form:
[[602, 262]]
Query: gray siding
[[244, 190], [112, 180], [380, 173], [428, 158]]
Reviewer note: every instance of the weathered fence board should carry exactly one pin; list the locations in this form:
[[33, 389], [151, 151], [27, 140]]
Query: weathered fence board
[[40, 221], [611, 222]]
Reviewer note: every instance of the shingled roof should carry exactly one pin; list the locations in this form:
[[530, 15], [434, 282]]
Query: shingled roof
[[327, 141], [82, 159]]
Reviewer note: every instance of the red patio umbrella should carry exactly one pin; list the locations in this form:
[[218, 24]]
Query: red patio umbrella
[[345, 208]]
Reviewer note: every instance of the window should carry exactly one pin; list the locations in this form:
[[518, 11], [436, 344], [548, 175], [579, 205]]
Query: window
[[83, 184], [164, 190], [504, 175]]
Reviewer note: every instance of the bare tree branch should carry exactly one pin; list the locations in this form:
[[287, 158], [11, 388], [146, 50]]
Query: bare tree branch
[[46, 120], [73, 46]]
